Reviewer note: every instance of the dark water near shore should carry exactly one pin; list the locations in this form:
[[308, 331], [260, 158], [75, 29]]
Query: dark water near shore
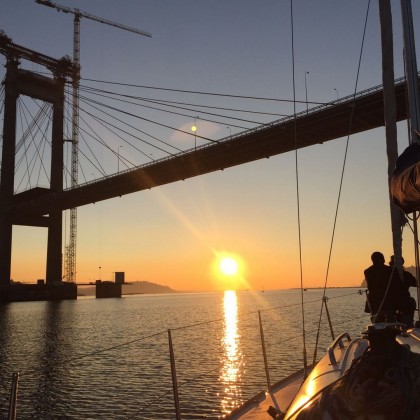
[[109, 358]]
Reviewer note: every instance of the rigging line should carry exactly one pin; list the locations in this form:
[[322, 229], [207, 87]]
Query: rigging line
[[80, 166], [179, 107], [69, 120], [21, 142], [412, 230], [99, 167], [68, 149], [152, 401], [41, 113], [206, 93], [309, 334], [185, 115], [151, 121], [45, 143], [386, 292], [106, 124], [98, 139], [305, 363], [129, 134], [124, 160], [134, 128], [32, 163], [100, 351], [91, 89], [243, 314], [37, 146], [291, 305], [46, 118], [81, 137], [342, 170], [87, 102], [25, 154], [198, 376]]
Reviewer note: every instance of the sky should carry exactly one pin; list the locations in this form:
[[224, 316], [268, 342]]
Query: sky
[[173, 234]]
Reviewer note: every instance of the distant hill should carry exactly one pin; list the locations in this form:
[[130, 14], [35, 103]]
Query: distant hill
[[132, 288], [145, 287]]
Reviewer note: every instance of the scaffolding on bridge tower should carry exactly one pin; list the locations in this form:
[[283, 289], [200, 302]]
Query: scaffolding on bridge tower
[[71, 248]]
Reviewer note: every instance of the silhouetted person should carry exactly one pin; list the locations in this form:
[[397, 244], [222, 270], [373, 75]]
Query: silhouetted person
[[380, 277], [406, 305]]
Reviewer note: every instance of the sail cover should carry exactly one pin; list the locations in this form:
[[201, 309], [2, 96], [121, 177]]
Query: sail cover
[[405, 181]]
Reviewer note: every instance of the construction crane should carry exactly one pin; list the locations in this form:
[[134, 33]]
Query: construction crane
[[70, 251]]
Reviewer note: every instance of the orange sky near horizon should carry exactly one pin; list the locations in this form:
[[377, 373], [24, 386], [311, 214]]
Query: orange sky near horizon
[[194, 228]]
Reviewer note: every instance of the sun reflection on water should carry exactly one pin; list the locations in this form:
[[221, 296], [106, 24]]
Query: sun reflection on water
[[232, 361]]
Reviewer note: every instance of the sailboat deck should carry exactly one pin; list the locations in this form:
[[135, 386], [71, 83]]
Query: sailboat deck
[[280, 397], [412, 339]]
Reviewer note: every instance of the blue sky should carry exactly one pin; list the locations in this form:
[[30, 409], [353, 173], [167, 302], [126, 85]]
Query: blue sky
[[240, 47]]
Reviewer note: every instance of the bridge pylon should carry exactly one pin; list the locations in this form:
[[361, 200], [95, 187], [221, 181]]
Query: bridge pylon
[[51, 90]]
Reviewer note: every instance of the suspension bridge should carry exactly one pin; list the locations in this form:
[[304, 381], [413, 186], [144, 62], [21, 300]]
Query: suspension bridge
[[147, 161]]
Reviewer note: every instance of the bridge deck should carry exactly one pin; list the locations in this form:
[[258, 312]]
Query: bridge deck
[[319, 125]]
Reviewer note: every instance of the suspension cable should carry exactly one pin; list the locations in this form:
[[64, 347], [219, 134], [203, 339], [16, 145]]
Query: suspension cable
[[106, 94], [207, 93]]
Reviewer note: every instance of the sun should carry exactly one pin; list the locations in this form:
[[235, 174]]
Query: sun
[[228, 271], [228, 266]]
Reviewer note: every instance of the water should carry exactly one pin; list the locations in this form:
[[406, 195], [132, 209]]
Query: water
[[109, 358]]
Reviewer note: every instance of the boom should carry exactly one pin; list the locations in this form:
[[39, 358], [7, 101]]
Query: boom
[[87, 15]]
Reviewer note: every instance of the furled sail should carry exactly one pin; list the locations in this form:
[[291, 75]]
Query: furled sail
[[405, 182]]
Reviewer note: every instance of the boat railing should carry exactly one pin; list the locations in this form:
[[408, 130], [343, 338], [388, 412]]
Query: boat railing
[[218, 368], [337, 342]]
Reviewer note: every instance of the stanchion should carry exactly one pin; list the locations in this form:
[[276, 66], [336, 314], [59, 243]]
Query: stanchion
[[267, 373], [13, 397], [174, 379]]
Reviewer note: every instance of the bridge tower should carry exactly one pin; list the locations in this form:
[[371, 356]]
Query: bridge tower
[[51, 90]]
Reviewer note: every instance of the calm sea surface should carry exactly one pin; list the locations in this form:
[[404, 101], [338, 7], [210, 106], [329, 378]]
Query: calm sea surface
[[109, 358]]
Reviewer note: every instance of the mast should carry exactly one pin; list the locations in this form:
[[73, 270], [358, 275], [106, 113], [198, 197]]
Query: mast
[[397, 217], [411, 71], [413, 108]]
